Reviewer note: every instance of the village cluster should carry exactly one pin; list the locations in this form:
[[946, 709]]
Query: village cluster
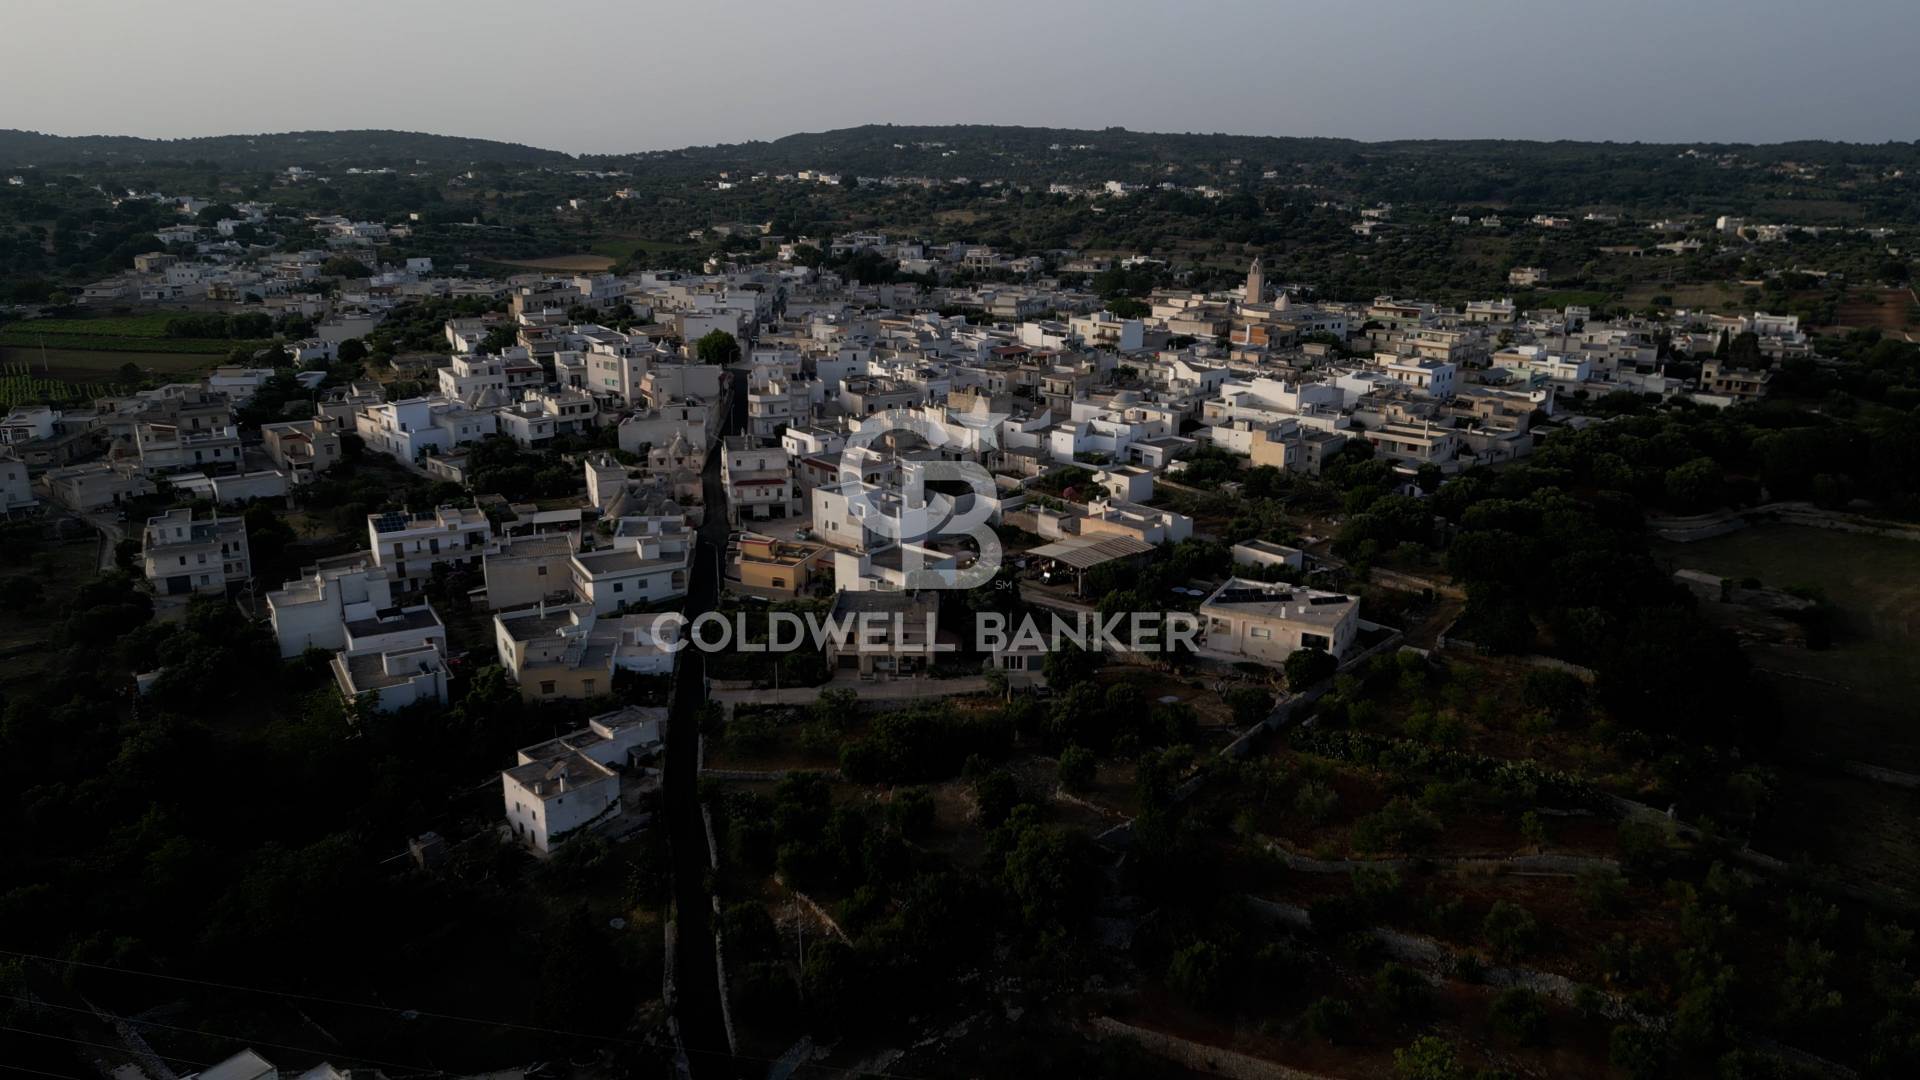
[[1023, 380]]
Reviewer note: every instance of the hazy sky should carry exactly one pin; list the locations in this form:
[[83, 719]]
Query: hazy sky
[[618, 75]]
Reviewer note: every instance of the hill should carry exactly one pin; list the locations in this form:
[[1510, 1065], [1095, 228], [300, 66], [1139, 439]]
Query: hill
[[310, 149]]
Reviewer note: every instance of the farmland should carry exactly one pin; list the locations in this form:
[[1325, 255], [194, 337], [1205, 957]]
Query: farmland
[[97, 365], [127, 333], [589, 264]]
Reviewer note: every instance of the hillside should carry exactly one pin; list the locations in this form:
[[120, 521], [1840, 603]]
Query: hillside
[[310, 149]]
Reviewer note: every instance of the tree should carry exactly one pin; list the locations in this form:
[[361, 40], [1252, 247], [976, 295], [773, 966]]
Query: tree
[[1250, 705], [1694, 486], [352, 351], [717, 347], [1428, 1058], [1510, 930], [1639, 1052], [1329, 1018], [1077, 768], [1401, 991], [1306, 667], [1520, 1014], [1198, 974]]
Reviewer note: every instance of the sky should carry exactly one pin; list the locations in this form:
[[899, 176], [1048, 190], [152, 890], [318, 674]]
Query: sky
[[608, 76]]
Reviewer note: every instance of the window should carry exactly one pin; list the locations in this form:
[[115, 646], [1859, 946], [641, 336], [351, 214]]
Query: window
[[1260, 632], [586, 686], [546, 687], [541, 571], [619, 586]]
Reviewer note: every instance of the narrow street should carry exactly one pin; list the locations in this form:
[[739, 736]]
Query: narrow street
[[702, 1030]]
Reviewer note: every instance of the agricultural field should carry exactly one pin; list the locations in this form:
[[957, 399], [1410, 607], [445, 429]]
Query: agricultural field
[[29, 335], [586, 264], [117, 333], [92, 366], [21, 384], [1684, 294], [1890, 311], [150, 325]]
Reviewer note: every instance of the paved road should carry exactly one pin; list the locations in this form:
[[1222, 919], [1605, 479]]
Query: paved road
[[702, 1030]]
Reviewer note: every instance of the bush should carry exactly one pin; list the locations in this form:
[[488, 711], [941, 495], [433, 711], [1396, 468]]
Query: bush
[[1510, 930], [1077, 768], [1602, 893], [1305, 667], [1328, 1018], [1397, 826], [1250, 705], [1520, 1014], [1197, 974], [1316, 802], [1401, 991], [1428, 1058]]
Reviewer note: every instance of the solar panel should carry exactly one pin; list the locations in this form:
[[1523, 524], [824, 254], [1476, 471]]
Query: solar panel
[[1335, 599], [391, 521]]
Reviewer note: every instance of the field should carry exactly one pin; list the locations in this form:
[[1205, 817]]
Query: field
[[96, 365], [1888, 311], [120, 333], [1683, 294], [586, 264]]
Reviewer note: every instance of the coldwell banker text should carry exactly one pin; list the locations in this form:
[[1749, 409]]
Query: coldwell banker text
[[787, 631]]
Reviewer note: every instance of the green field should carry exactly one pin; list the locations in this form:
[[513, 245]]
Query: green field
[[150, 325], [29, 335], [95, 365], [621, 247]]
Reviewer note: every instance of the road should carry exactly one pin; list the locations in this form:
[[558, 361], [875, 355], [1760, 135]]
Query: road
[[702, 1030]]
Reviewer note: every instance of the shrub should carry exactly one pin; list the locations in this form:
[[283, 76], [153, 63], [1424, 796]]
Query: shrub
[[1401, 991], [1397, 826], [1602, 893], [1328, 1018], [1520, 1014], [1428, 1058], [1305, 667], [1510, 930], [1077, 768]]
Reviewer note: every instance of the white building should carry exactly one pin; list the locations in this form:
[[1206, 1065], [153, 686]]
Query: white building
[[409, 546], [383, 680], [1253, 620], [409, 430], [181, 555], [311, 612], [758, 480]]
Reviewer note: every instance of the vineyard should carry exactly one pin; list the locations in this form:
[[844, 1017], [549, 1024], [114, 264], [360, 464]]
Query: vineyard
[[31, 336], [20, 386]]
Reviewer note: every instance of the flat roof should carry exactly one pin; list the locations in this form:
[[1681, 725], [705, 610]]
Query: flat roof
[[390, 620], [1087, 552]]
